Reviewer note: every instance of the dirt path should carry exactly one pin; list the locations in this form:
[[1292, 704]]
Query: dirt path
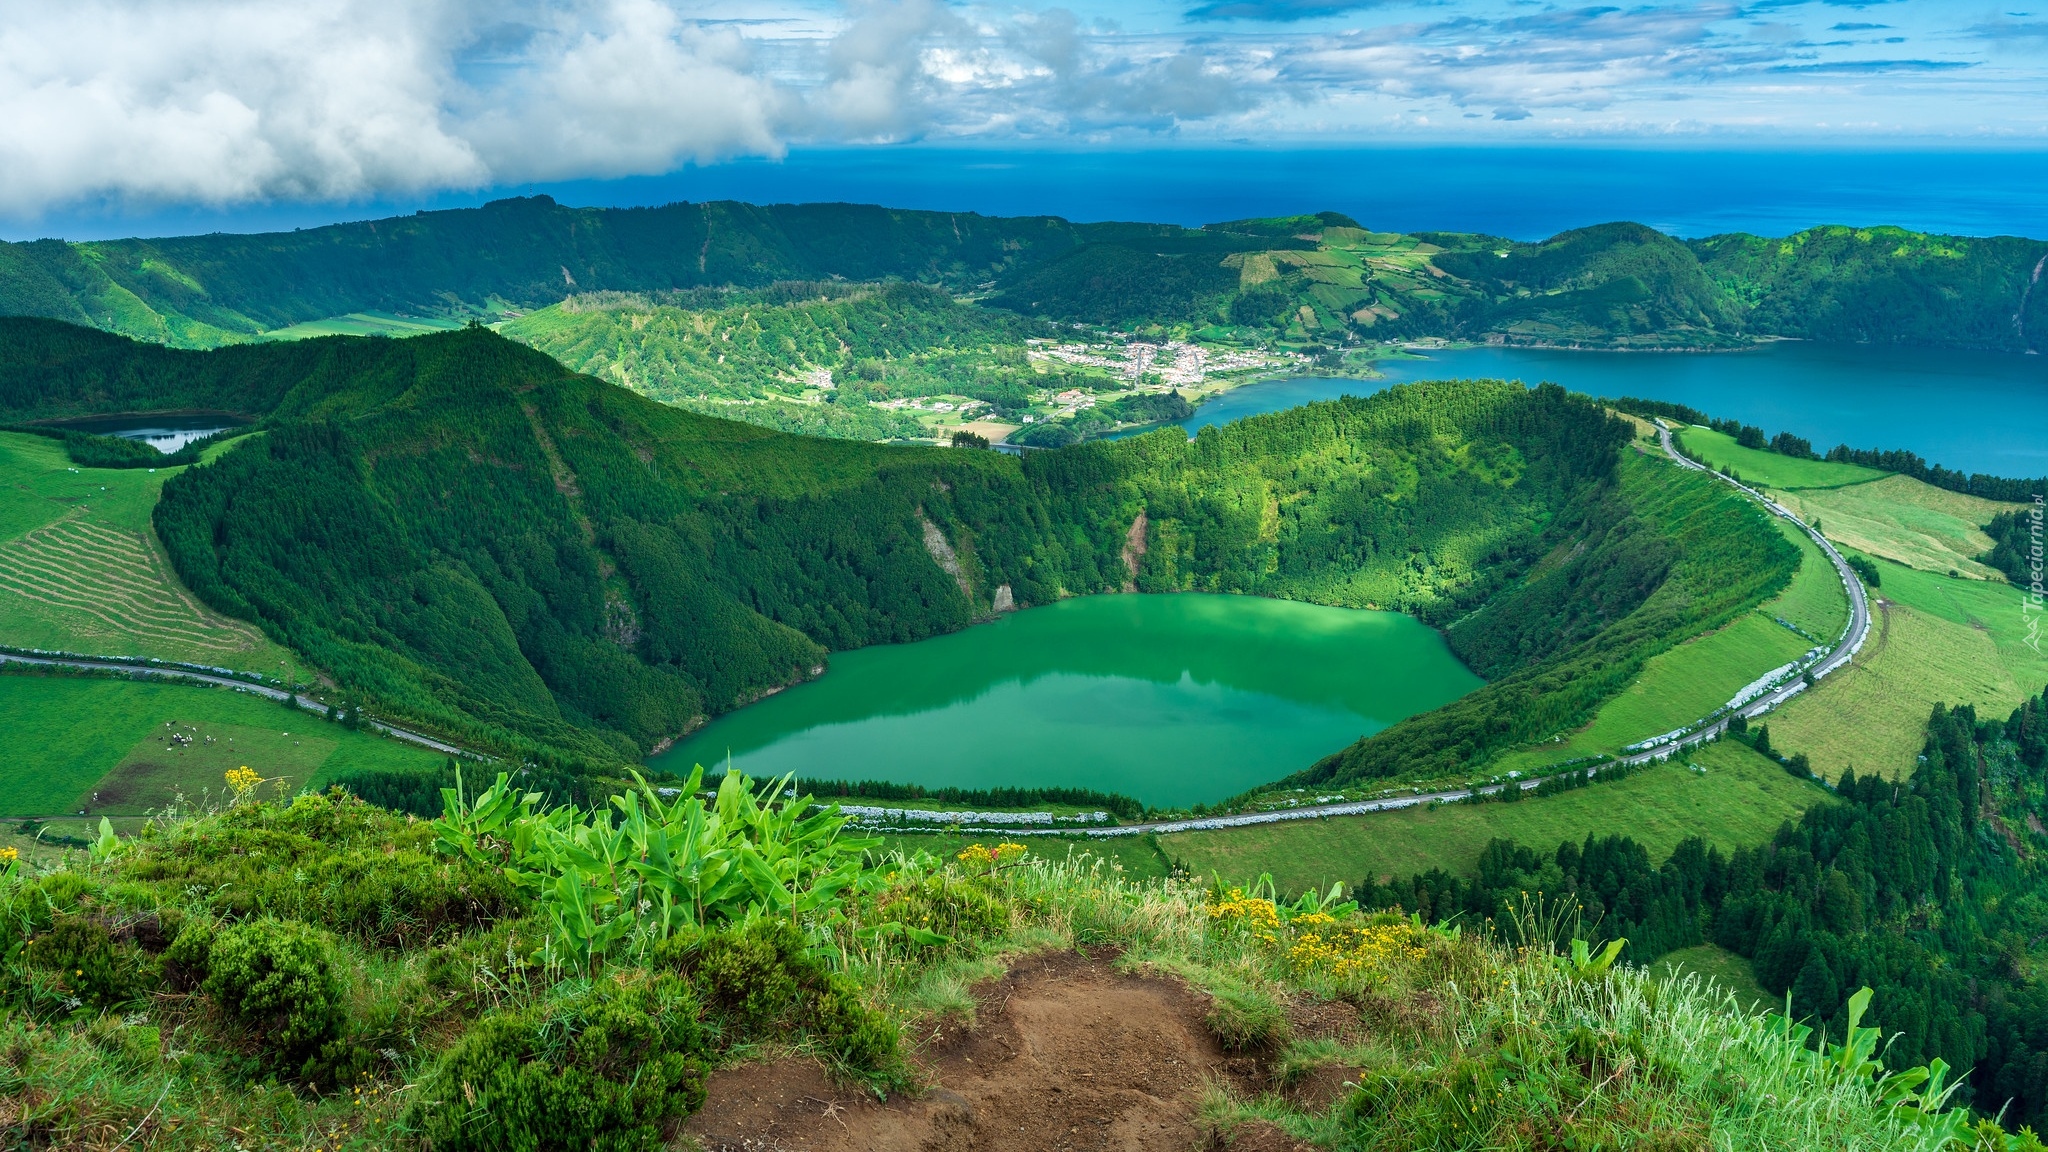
[[1067, 1054]]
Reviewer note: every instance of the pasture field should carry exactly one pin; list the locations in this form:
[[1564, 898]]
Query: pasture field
[[1906, 521], [1698, 676], [1739, 800], [363, 324], [1934, 638], [81, 569], [1724, 968], [68, 737], [1768, 469]]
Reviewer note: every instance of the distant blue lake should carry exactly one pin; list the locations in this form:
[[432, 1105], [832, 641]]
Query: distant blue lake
[[1977, 411]]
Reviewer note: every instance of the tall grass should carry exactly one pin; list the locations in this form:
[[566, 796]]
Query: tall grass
[[1465, 1042]]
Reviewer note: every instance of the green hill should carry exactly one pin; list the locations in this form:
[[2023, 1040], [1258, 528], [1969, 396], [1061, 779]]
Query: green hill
[[1616, 283], [515, 255], [811, 358], [466, 535], [1310, 278], [1886, 286]]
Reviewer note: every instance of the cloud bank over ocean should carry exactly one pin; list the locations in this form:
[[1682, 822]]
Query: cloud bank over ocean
[[231, 102]]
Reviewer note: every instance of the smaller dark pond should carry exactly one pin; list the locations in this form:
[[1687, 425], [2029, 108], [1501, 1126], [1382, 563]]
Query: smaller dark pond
[[164, 432]]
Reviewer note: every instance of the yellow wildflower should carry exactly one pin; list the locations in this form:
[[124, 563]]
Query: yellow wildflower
[[242, 779], [982, 856], [9, 855]]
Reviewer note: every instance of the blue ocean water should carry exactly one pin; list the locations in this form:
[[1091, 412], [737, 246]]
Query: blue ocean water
[[1975, 411], [1524, 193]]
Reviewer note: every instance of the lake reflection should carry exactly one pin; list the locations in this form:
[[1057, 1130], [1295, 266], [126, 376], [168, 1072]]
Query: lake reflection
[[166, 434]]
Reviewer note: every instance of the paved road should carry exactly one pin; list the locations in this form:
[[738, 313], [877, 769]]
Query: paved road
[[225, 682], [1845, 649]]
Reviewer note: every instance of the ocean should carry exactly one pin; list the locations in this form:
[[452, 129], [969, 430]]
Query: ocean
[[1523, 193]]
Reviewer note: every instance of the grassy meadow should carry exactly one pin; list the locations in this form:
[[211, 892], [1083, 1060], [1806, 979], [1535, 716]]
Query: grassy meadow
[[1933, 638], [81, 569], [1906, 521], [1739, 800], [1138, 856], [68, 737], [1768, 469], [1728, 971]]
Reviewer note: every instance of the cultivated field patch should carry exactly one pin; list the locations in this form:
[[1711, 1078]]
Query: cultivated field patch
[[66, 737], [1905, 520], [1769, 469], [1739, 800], [80, 586], [1933, 639], [81, 569], [370, 323], [191, 759]]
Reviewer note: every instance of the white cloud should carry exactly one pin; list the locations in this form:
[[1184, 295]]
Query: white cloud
[[634, 91], [224, 102]]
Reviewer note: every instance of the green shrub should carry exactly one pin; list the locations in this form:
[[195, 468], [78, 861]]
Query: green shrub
[[944, 904], [276, 980], [1246, 1020], [88, 964], [760, 982], [330, 860], [610, 1069]]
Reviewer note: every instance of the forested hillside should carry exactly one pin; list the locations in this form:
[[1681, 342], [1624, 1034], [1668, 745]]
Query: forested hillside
[[1886, 286], [1929, 890], [201, 291], [463, 534], [1652, 558]]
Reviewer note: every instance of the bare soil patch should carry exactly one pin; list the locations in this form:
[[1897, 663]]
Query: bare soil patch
[[1066, 1054]]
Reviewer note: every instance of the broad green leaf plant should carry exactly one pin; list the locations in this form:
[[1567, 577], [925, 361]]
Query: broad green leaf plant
[[654, 865]]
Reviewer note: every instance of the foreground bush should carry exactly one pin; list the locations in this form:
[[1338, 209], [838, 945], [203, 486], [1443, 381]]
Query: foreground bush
[[496, 1034], [611, 1068], [276, 979], [762, 982]]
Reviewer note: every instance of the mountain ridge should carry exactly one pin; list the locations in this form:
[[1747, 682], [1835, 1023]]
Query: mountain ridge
[[1609, 285]]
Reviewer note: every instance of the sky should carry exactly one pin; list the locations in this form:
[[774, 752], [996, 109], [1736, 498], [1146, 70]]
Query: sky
[[227, 109]]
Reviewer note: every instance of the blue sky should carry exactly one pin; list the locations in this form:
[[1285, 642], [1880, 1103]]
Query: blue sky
[[146, 106]]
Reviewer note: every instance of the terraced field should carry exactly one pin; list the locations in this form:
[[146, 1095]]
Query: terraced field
[[101, 590], [81, 569]]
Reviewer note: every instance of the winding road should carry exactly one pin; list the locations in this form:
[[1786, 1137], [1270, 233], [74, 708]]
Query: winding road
[[138, 669]]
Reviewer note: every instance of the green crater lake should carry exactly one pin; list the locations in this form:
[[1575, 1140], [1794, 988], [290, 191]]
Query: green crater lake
[[1175, 700]]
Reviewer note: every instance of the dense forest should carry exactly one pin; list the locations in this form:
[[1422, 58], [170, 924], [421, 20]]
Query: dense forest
[[467, 536], [2017, 546], [1319, 279], [1928, 888]]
